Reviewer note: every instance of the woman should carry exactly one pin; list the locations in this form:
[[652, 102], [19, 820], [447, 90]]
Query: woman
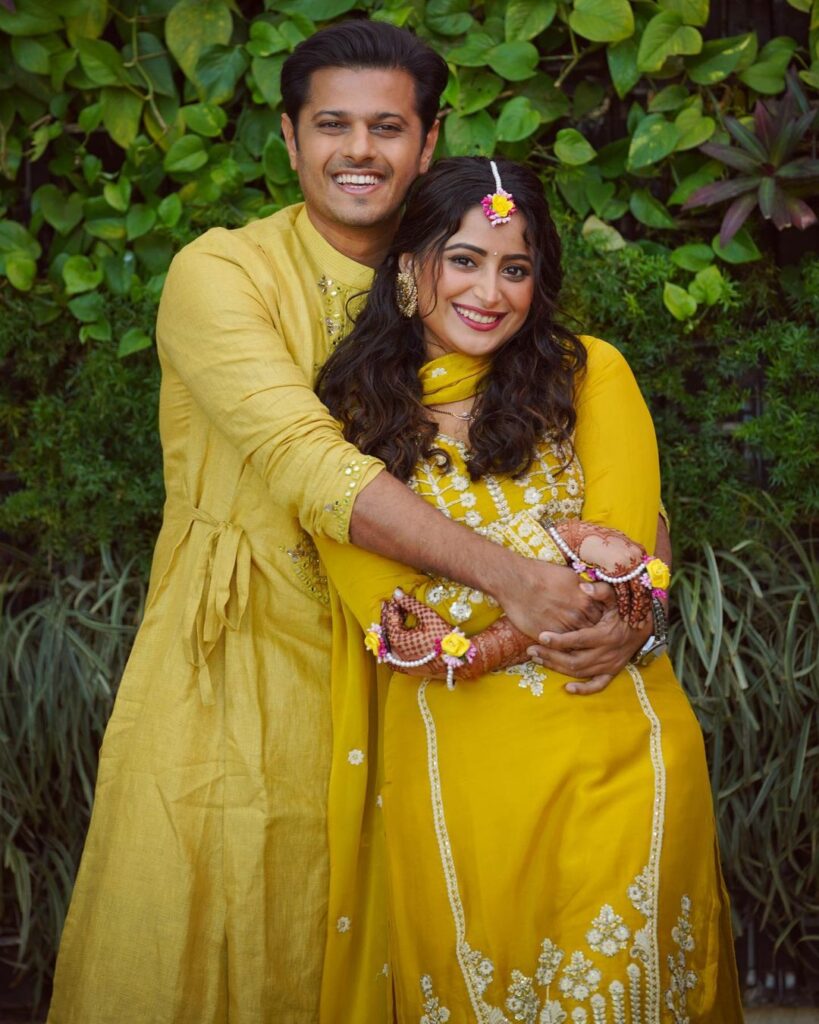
[[546, 859]]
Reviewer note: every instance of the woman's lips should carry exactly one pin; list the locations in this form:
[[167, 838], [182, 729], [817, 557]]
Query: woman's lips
[[478, 319]]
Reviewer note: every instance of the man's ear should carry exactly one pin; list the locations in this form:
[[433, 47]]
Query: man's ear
[[429, 147], [289, 133]]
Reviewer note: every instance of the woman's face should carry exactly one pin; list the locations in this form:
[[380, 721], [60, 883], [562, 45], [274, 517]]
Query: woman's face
[[483, 290]]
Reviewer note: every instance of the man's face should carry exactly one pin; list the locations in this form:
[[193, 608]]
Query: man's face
[[360, 145]]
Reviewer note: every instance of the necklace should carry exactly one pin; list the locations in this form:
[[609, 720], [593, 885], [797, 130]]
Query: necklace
[[464, 417]]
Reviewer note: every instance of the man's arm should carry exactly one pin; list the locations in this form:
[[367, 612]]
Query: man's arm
[[390, 520]]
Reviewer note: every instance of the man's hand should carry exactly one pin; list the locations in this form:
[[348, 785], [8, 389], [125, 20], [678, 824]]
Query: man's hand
[[539, 595], [593, 655]]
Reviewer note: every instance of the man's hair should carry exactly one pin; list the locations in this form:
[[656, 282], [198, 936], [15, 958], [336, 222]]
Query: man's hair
[[361, 44]]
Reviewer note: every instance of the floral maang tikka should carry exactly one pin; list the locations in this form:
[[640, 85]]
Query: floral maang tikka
[[500, 204]]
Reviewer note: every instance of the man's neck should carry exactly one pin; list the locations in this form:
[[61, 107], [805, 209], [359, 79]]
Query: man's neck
[[367, 245]]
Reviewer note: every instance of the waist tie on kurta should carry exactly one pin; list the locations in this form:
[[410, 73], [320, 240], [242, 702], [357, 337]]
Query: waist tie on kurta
[[218, 592]]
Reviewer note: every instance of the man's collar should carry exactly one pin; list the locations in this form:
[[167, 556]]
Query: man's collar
[[333, 264]]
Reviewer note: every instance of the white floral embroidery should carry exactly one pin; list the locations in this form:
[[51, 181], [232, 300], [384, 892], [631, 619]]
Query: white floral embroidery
[[385, 971], [579, 1016], [356, 756], [460, 610], [473, 518], [552, 1013], [608, 933], [439, 371], [532, 495], [459, 481], [468, 499], [580, 977], [531, 677], [379, 801], [434, 1013], [548, 963], [598, 1006], [343, 924], [683, 980], [521, 1001], [436, 594]]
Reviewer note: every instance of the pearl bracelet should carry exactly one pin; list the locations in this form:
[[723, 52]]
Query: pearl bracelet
[[651, 571], [454, 649]]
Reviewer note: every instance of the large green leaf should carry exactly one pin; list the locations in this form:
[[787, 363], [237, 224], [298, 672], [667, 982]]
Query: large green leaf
[[708, 285], [672, 97], [276, 161], [317, 10], [518, 120], [121, 111], [80, 275], [267, 74], [21, 270], [477, 90], [62, 212], [135, 339], [549, 101], [622, 61], [694, 128], [448, 17], [15, 238], [602, 21], [666, 36], [265, 39], [741, 249], [472, 53], [694, 256], [34, 55], [513, 61], [650, 211], [601, 236], [194, 25], [220, 68], [678, 302], [101, 62], [654, 138], [87, 23], [28, 19], [526, 19], [139, 220], [470, 136], [186, 155], [692, 12], [204, 119], [154, 62], [719, 58], [572, 148]]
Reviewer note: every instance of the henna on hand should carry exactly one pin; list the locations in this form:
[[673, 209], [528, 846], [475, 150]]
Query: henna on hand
[[602, 547], [500, 645]]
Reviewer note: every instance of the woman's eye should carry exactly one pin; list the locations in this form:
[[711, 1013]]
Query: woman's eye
[[516, 273], [461, 261]]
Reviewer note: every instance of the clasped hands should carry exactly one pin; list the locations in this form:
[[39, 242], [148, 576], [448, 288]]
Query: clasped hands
[[593, 628]]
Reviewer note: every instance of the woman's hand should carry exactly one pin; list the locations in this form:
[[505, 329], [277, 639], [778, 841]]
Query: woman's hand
[[498, 646], [607, 549]]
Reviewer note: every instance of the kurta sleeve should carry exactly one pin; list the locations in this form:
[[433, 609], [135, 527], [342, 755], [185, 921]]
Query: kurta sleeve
[[617, 447], [215, 329]]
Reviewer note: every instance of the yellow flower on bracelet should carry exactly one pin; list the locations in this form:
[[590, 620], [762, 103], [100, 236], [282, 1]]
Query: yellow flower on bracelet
[[372, 641], [658, 573], [455, 644]]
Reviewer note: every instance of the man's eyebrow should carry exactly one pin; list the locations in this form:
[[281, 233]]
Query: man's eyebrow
[[343, 114], [482, 252]]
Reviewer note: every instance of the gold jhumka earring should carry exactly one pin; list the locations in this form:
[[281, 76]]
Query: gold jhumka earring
[[406, 294]]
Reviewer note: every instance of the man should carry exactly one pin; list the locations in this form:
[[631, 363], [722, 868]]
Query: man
[[202, 895]]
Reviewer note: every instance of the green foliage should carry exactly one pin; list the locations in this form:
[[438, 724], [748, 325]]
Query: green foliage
[[746, 648], [63, 646]]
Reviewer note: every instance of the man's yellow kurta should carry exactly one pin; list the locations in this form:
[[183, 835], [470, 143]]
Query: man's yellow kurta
[[202, 894]]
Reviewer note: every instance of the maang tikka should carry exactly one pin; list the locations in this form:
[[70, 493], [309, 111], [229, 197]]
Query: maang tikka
[[406, 293]]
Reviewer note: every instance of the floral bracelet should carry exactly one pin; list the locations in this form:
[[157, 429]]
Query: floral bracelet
[[455, 650], [651, 571]]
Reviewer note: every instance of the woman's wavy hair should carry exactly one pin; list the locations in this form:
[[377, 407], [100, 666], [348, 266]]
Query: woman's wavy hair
[[370, 382]]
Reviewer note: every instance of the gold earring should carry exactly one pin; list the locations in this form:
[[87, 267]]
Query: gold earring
[[406, 294]]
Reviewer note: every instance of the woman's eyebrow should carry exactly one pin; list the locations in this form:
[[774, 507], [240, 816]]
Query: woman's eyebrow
[[482, 252]]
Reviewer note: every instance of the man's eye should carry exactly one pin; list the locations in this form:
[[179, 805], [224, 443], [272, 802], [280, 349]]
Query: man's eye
[[330, 124], [387, 128]]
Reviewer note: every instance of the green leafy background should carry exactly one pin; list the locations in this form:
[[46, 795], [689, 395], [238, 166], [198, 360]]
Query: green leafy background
[[127, 129]]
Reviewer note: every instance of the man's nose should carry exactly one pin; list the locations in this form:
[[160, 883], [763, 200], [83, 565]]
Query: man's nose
[[359, 144]]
